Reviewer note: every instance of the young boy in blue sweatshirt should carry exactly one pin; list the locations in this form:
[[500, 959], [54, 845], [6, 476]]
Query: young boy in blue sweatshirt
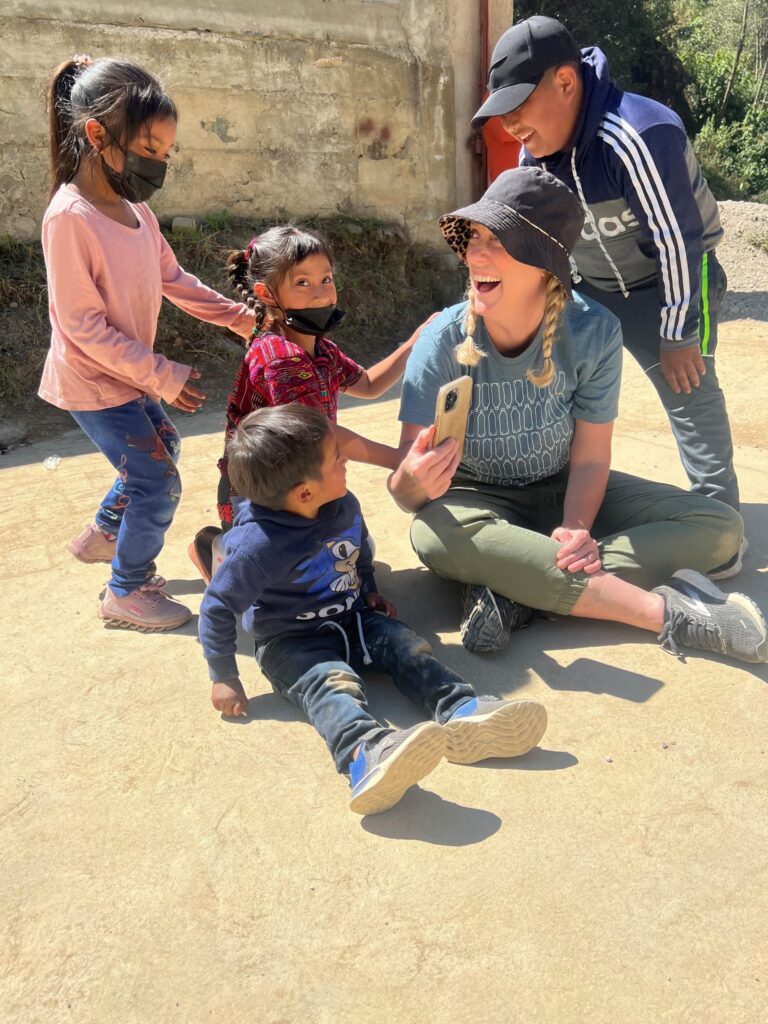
[[647, 250], [298, 568]]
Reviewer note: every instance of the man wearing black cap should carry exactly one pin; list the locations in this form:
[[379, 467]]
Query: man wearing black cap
[[647, 250]]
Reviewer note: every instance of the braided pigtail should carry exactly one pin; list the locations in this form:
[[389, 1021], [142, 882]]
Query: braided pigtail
[[467, 352], [553, 310], [239, 273]]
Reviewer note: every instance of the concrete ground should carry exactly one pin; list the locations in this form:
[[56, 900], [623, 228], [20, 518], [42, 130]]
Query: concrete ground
[[161, 864]]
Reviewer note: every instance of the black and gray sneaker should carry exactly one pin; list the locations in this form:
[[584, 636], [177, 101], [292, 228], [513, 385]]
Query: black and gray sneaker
[[487, 619], [701, 616]]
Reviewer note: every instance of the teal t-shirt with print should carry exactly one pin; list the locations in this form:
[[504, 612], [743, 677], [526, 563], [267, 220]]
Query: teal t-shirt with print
[[517, 432]]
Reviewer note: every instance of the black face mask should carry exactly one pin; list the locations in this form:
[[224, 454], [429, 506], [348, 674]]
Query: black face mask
[[140, 177], [314, 320]]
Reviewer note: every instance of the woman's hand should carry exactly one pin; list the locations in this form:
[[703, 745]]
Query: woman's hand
[[190, 398], [229, 698], [578, 551], [432, 469], [380, 604]]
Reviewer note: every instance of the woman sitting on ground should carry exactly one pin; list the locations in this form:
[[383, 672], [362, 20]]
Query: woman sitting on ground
[[529, 515]]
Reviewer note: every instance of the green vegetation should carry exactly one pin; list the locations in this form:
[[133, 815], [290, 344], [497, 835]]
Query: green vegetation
[[707, 59], [387, 284]]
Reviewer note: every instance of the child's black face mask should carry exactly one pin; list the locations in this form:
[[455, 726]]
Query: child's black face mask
[[315, 320], [140, 177]]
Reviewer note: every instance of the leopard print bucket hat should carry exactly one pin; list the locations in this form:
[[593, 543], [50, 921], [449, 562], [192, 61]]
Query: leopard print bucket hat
[[536, 218]]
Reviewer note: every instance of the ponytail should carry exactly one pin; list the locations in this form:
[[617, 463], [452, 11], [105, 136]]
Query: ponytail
[[553, 309], [65, 146]]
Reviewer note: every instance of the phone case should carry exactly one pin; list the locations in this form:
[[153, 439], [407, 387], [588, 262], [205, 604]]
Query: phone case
[[452, 410]]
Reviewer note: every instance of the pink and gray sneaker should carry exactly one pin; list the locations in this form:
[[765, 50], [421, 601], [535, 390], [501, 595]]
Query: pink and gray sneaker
[[92, 545], [147, 611]]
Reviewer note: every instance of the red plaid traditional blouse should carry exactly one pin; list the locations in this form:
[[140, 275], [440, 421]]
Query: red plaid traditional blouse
[[275, 371]]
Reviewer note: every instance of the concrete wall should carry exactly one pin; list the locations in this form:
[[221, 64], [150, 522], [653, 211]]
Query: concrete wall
[[304, 106]]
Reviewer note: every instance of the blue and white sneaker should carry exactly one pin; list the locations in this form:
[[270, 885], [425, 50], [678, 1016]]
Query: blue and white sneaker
[[701, 616], [381, 773], [489, 727]]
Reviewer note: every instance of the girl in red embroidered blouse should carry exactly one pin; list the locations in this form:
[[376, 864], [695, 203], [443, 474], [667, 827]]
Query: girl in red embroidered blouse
[[286, 275]]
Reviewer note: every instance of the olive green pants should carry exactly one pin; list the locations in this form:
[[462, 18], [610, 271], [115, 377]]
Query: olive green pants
[[500, 536]]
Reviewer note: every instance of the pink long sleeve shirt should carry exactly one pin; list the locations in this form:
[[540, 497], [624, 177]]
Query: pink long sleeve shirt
[[106, 283]]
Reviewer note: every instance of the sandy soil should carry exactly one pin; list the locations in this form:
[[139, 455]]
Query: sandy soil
[[161, 864]]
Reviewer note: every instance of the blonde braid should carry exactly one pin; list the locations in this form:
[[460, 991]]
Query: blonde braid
[[467, 352], [553, 310]]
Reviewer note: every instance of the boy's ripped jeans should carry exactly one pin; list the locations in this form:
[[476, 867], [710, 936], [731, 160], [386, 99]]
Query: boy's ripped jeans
[[319, 672]]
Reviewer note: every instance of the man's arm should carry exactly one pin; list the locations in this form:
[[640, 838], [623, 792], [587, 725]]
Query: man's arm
[[656, 183]]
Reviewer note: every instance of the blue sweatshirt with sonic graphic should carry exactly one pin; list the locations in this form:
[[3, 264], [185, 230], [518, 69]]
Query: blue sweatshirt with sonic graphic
[[284, 574], [650, 215]]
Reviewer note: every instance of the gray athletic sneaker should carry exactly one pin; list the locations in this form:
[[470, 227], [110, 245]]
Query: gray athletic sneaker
[[485, 727], [732, 568], [487, 619], [380, 773], [701, 616]]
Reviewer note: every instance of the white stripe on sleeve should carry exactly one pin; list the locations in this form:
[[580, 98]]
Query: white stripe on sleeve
[[636, 157]]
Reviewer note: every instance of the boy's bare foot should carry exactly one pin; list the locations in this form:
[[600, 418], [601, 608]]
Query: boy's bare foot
[[201, 551]]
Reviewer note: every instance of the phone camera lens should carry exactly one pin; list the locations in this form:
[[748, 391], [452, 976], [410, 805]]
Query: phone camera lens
[[450, 399]]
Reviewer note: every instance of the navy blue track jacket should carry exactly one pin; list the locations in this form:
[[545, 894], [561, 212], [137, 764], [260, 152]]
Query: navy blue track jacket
[[650, 215]]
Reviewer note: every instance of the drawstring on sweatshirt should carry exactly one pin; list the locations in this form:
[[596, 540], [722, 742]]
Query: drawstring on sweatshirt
[[366, 654], [593, 224]]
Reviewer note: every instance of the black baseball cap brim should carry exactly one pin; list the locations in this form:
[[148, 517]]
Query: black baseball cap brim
[[504, 101]]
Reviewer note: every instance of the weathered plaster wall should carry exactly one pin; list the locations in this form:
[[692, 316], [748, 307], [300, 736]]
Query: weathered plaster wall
[[349, 104]]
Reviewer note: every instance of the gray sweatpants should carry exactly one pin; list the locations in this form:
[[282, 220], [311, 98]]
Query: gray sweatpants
[[699, 421], [499, 536]]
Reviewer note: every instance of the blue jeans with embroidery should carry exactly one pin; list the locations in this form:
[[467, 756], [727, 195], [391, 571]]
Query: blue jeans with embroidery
[[319, 673], [143, 446]]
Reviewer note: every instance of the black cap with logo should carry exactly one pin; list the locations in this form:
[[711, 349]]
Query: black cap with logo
[[520, 58]]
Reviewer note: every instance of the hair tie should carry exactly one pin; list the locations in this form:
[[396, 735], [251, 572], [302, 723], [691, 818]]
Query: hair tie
[[82, 61]]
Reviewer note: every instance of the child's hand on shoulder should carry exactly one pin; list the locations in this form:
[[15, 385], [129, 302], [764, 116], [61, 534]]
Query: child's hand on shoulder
[[415, 336], [380, 604], [228, 697]]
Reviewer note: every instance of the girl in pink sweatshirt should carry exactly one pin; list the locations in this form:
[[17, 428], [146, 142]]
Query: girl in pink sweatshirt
[[109, 267]]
